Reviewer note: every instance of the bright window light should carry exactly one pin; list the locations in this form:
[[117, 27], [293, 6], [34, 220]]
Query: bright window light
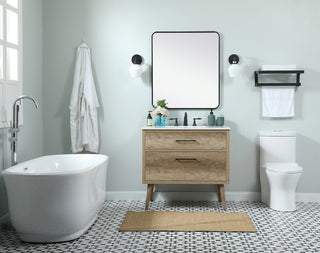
[[12, 64], [12, 27], [13, 3]]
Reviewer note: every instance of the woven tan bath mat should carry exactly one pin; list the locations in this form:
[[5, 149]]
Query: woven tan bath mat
[[187, 221]]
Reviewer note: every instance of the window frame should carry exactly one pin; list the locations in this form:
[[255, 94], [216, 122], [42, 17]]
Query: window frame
[[6, 99]]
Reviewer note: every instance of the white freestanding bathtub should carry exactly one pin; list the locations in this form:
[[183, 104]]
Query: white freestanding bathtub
[[56, 198]]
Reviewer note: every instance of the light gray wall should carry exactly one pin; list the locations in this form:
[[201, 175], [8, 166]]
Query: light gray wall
[[30, 143], [260, 32]]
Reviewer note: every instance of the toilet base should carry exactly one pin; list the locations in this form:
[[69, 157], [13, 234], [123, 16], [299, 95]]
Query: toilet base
[[283, 201], [283, 190]]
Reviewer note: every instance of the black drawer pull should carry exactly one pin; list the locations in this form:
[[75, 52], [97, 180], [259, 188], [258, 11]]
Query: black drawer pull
[[186, 159], [186, 140]]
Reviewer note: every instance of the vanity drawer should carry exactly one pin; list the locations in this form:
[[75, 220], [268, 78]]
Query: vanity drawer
[[184, 140], [186, 167]]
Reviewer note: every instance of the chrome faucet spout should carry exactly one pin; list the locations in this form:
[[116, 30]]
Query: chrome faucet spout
[[14, 129], [16, 107]]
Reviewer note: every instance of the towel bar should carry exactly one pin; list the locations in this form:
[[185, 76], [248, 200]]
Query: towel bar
[[262, 72]]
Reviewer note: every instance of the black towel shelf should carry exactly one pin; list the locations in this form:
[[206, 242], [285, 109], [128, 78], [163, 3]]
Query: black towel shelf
[[262, 72]]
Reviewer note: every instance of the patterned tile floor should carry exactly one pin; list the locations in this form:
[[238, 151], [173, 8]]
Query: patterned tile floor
[[297, 231]]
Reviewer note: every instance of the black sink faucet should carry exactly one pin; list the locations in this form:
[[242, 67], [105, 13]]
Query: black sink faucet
[[185, 120]]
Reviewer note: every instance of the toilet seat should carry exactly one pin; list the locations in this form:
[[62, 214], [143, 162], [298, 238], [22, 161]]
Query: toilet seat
[[284, 168]]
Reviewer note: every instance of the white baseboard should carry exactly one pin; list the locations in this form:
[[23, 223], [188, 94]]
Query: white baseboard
[[308, 197], [191, 196], [197, 196], [182, 196], [126, 195]]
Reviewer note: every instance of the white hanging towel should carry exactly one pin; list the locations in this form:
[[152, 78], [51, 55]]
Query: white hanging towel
[[277, 102], [83, 105]]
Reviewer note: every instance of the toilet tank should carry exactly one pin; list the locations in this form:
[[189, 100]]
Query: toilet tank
[[277, 146]]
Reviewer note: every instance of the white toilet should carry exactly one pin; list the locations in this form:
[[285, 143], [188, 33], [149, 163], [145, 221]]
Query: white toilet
[[279, 173]]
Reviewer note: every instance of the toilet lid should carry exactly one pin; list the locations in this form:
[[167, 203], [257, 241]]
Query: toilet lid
[[288, 168]]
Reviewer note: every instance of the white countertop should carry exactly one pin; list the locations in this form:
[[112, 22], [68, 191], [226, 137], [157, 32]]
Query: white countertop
[[188, 128]]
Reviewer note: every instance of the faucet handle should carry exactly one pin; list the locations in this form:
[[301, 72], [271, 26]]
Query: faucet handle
[[12, 139], [176, 123], [194, 121], [13, 130]]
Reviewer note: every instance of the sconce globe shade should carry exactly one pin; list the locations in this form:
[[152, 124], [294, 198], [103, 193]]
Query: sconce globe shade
[[135, 70], [234, 70]]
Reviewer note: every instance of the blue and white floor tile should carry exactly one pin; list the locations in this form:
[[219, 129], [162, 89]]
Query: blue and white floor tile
[[285, 232]]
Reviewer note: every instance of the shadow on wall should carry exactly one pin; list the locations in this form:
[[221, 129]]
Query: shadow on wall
[[3, 199], [147, 75], [244, 161], [307, 156], [3, 165]]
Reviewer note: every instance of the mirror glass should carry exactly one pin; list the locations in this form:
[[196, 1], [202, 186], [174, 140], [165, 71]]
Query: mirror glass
[[185, 69]]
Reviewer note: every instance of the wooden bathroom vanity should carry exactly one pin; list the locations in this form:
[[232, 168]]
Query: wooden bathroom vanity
[[185, 155]]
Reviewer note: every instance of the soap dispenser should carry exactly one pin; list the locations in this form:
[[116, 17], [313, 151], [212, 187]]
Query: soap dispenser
[[211, 119], [149, 120]]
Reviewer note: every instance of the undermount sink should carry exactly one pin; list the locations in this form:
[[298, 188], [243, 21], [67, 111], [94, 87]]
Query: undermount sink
[[189, 126]]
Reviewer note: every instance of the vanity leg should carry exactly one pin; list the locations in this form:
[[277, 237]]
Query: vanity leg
[[149, 195], [222, 196], [219, 196]]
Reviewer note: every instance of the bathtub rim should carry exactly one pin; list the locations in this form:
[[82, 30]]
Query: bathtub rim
[[9, 171]]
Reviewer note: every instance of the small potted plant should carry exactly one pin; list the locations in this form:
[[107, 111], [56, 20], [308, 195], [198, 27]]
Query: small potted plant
[[161, 111]]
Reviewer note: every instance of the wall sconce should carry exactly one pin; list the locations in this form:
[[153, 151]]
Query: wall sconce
[[234, 69], [136, 69]]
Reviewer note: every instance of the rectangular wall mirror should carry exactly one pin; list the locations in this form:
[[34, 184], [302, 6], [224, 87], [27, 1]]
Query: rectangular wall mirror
[[186, 69]]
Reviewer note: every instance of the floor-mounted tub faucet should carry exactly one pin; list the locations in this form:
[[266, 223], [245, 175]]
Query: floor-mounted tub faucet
[[14, 128]]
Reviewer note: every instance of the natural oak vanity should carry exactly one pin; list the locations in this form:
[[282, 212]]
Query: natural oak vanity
[[185, 155]]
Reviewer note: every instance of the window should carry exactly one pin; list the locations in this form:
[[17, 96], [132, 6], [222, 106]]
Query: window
[[10, 57]]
